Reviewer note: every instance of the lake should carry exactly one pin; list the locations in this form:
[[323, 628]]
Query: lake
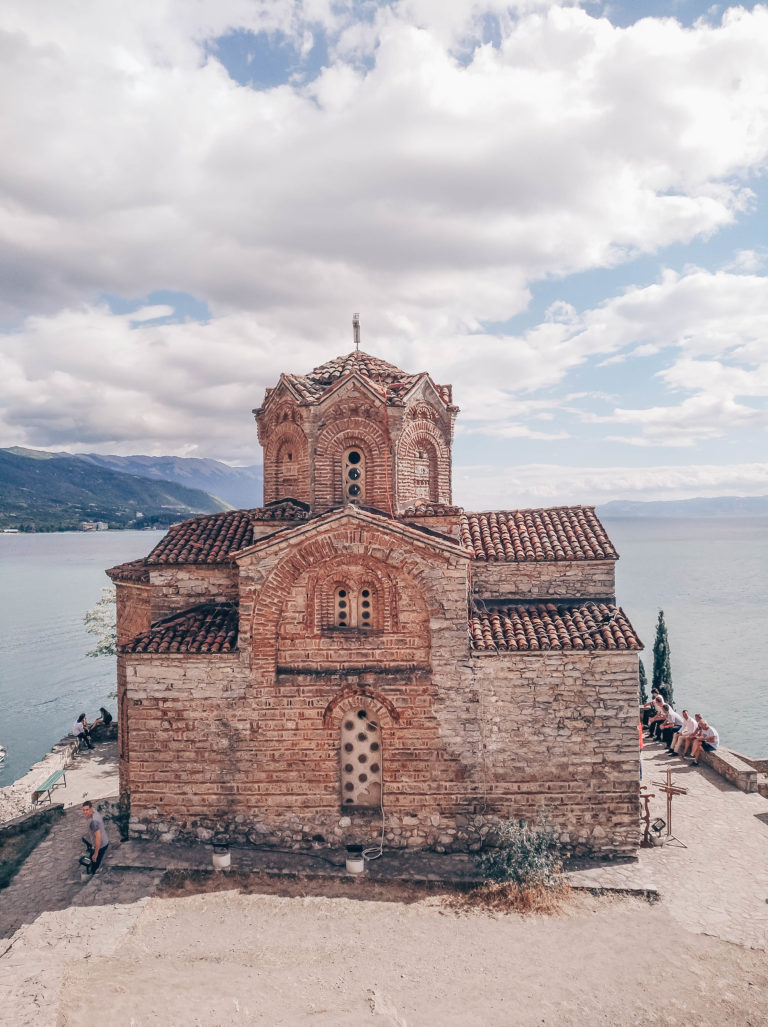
[[709, 576]]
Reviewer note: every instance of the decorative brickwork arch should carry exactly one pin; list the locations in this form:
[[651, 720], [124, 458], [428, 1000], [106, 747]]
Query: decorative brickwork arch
[[348, 700], [423, 465], [336, 439], [354, 575], [286, 464], [281, 597]]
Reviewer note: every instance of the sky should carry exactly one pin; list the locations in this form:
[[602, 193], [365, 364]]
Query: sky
[[559, 208]]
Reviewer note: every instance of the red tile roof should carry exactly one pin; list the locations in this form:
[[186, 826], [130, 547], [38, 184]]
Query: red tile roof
[[208, 628], [389, 380], [540, 627], [211, 539], [432, 510], [561, 533], [136, 570]]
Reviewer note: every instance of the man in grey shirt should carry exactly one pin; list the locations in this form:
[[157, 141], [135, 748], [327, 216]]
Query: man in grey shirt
[[97, 838]]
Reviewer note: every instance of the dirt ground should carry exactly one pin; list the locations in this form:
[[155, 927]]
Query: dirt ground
[[408, 958]]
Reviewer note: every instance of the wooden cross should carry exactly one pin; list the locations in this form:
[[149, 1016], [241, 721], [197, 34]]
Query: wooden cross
[[670, 790], [645, 815]]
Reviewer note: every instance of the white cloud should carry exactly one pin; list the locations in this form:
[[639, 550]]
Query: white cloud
[[424, 187], [494, 488]]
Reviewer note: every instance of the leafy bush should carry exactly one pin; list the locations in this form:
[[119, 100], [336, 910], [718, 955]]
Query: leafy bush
[[527, 856]]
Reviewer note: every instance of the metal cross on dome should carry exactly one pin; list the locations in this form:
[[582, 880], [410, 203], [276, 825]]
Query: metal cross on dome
[[356, 331]]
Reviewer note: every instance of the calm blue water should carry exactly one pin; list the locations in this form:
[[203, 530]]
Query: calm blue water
[[710, 577], [47, 582]]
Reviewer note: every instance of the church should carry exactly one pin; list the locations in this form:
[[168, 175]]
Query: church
[[358, 655]]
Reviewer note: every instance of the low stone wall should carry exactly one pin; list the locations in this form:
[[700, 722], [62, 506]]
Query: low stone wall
[[28, 821], [433, 832], [731, 767]]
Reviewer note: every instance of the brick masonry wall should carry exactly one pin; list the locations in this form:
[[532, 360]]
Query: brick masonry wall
[[180, 586], [134, 616], [249, 743], [556, 579]]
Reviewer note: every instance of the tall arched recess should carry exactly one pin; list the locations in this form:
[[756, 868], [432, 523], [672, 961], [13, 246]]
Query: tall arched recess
[[286, 465]]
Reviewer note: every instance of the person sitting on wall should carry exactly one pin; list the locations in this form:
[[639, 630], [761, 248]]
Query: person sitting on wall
[[654, 724], [707, 739], [649, 709], [82, 732], [657, 715], [104, 721], [689, 727], [686, 742], [670, 727]]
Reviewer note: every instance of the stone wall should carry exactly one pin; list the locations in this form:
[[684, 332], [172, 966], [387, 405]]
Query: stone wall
[[507, 736], [558, 579], [177, 587]]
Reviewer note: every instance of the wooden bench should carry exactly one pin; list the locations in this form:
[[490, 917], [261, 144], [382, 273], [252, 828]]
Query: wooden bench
[[48, 785]]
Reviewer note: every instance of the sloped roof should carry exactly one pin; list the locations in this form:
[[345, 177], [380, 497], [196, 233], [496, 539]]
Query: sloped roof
[[540, 627], [208, 628], [136, 571], [387, 379], [210, 539], [560, 533]]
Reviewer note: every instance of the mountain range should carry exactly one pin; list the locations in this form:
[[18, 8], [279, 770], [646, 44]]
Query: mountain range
[[43, 491]]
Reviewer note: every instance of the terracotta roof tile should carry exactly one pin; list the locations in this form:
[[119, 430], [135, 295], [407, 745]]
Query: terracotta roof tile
[[211, 539], [389, 380], [560, 533], [136, 570], [432, 510], [540, 627], [204, 629]]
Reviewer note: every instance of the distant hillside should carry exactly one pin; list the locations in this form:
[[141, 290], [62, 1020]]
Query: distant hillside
[[723, 506], [241, 487], [50, 492]]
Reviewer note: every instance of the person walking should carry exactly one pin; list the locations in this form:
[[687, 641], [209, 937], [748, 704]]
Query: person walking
[[98, 839]]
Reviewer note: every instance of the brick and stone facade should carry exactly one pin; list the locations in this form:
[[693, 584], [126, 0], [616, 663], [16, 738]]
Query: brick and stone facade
[[295, 673]]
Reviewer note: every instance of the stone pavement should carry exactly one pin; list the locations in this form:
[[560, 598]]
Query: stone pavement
[[717, 885]]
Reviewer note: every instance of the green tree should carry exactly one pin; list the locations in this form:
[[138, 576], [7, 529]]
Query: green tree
[[662, 670], [101, 621], [643, 682]]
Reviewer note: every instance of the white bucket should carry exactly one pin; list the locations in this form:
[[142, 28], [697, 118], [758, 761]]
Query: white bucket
[[355, 864], [221, 860]]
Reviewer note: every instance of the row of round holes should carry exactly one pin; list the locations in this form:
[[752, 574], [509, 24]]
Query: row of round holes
[[366, 604], [349, 768]]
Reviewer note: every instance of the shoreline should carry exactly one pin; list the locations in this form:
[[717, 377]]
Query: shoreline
[[16, 798]]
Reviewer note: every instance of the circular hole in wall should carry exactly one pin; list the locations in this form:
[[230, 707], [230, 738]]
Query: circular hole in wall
[[342, 593], [354, 490], [374, 746], [348, 768], [354, 457], [366, 593], [362, 777], [349, 787], [348, 747], [362, 714], [371, 727], [354, 473], [374, 768], [349, 725], [362, 758], [362, 737]]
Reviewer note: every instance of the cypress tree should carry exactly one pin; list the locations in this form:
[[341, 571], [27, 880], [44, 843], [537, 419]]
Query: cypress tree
[[643, 683], [662, 670]]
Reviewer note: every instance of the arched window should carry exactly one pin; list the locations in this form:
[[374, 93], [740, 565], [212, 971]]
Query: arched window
[[353, 481], [361, 778], [354, 607]]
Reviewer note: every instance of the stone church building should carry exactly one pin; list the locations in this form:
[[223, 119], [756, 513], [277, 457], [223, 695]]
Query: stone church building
[[359, 648]]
